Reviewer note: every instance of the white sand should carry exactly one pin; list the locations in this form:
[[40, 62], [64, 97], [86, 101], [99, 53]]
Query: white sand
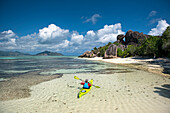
[[139, 63], [129, 60], [119, 93]]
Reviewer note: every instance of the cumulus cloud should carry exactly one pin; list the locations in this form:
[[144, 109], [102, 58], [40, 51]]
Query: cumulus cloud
[[54, 38], [76, 38], [28, 42], [91, 33], [160, 28], [109, 33], [8, 39], [92, 19], [48, 34]]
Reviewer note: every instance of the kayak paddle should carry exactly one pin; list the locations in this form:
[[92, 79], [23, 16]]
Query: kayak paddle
[[82, 80]]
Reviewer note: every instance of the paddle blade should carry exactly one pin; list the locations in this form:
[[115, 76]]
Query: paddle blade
[[97, 86], [76, 77]]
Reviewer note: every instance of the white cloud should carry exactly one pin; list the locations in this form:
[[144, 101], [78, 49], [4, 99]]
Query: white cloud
[[92, 19], [91, 33], [48, 34], [76, 38], [7, 39], [109, 33], [160, 28], [8, 34], [64, 44], [54, 38]]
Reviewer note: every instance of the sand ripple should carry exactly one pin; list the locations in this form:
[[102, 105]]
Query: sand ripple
[[119, 93]]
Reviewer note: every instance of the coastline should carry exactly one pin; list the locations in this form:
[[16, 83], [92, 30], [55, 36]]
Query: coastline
[[128, 91], [155, 66]]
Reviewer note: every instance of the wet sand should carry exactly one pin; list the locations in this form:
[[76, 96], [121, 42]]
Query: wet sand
[[19, 87], [134, 92]]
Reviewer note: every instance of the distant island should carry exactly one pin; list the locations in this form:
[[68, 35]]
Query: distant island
[[16, 53], [48, 53], [13, 53]]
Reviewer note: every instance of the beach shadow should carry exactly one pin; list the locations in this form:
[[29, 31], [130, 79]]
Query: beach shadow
[[163, 62], [78, 95], [163, 91]]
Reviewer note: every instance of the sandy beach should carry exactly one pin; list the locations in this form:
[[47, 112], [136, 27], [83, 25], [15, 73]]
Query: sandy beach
[[159, 66], [137, 91]]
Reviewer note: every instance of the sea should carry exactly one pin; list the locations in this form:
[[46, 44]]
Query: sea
[[51, 65]]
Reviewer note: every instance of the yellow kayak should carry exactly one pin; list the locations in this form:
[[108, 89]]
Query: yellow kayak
[[84, 91]]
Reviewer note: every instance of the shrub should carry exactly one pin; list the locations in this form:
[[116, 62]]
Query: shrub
[[119, 52]]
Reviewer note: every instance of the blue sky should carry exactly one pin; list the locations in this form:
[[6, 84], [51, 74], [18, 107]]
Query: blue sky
[[74, 26]]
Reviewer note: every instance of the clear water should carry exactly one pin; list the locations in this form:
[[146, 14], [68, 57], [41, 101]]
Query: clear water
[[49, 65]]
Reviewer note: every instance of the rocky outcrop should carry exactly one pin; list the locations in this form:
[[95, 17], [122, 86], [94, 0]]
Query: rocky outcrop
[[120, 39], [131, 38], [134, 37], [111, 52], [88, 54]]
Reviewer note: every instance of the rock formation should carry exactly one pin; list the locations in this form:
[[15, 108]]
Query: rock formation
[[131, 38], [134, 37], [88, 54], [120, 39], [111, 52]]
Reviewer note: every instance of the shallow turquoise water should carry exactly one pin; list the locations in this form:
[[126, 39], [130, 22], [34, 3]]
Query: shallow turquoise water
[[49, 65]]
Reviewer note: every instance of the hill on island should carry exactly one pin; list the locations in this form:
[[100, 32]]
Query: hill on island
[[11, 53], [48, 53]]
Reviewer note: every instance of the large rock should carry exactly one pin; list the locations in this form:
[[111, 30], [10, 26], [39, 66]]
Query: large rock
[[120, 39], [111, 52], [88, 54], [134, 37]]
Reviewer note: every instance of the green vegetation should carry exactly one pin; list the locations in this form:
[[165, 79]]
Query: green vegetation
[[119, 52], [101, 50], [150, 47]]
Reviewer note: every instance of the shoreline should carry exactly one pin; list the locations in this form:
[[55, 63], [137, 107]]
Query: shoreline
[[145, 64], [127, 92]]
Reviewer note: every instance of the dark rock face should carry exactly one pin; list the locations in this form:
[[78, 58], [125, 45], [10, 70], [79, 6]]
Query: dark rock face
[[88, 54], [111, 52], [120, 39], [133, 37]]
